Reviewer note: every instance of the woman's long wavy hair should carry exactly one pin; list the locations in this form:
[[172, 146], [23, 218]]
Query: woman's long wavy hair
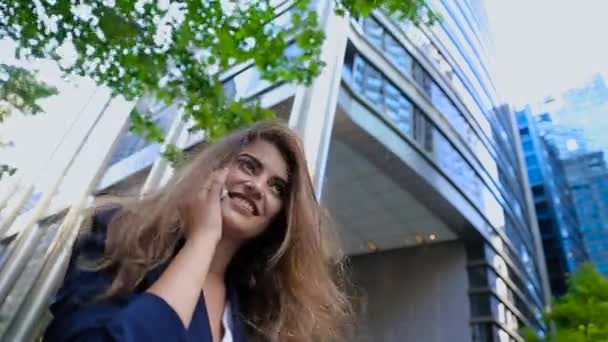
[[291, 279]]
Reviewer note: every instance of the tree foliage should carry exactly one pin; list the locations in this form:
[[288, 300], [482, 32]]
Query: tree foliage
[[20, 91], [581, 315], [173, 50]]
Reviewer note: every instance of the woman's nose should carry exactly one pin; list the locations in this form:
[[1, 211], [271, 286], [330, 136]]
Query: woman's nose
[[252, 188]]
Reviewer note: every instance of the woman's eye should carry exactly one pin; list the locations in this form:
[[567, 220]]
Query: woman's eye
[[278, 189], [247, 166]]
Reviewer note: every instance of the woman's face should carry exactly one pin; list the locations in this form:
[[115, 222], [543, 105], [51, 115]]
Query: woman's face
[[257, 185]]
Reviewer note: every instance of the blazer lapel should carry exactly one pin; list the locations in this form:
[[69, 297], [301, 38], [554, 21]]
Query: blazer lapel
[[239, 334]]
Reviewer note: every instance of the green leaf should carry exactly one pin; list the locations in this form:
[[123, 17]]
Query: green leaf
[[582, 313], [119, 47], [7, 170], [20, 90], [173, 154]]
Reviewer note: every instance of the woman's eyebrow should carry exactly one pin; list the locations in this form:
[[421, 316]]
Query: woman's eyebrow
[[253, 158], [261, 164]]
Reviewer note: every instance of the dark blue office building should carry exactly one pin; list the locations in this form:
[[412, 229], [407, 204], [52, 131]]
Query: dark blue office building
[[588, 180], [555, 209]]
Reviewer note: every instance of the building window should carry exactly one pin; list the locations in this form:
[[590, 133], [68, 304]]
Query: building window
[[531, 161], [521, 118], [482, 332], [370, 83], [478, 277], [538, 190], [399, 55], [384, 41], [374, 32], [535, 176], [480, 305], [422, 78], [130, 143], [401, 111]]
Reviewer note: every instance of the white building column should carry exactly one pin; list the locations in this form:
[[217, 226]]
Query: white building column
[[80, 171], [312, 114], [162, 168]]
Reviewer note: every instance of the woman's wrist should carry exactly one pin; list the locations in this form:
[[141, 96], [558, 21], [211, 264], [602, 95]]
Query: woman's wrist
[[204, 236]]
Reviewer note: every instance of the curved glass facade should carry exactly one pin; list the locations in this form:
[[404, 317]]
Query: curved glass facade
[[443, 101]]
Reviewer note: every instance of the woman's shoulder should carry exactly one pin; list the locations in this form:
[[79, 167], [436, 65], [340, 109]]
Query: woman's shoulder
[[91, 246], [82, 284]]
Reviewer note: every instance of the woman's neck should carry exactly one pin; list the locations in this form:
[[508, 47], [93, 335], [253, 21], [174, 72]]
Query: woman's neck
[[224, 252]]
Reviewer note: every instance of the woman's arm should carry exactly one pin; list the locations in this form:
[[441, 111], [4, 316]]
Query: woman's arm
[[77, 316], [161, 313], [181, 283]]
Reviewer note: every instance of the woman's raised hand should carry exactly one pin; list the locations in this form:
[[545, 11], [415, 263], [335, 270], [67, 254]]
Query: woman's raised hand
[[201, 215]]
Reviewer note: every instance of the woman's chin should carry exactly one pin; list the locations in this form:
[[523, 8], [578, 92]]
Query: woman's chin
[[236, 229], [236, 225]]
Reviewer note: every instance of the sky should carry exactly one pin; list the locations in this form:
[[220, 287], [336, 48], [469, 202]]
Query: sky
[[39, 135], [545, 46]]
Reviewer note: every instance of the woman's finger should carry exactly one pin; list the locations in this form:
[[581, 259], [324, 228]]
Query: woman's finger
[[224, 193], [216, 182]]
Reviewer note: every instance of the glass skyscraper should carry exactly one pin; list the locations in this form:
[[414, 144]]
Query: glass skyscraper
[[574, 126], [588, 179], [555, 209], [418, 161], [585, 172], [426, 97]]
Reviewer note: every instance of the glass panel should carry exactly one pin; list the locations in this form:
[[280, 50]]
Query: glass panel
[[248, 83], [480, 305], [482, 332], [389, 99], [372, 85], [399, 55], [422, 78], [405, 118], [374, 31], [447, 108], [498, 310], [478, 277], [130, 143], [358, 73], [501, 335], [420, 39], [399, 109], [457, 168]]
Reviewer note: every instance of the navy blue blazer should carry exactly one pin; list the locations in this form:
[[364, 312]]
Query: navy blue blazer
[[141, 316]]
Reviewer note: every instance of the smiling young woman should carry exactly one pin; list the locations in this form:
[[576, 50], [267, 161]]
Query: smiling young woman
[[234, 248]]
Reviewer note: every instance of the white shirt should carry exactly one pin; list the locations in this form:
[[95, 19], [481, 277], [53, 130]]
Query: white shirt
[[227, 323]]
